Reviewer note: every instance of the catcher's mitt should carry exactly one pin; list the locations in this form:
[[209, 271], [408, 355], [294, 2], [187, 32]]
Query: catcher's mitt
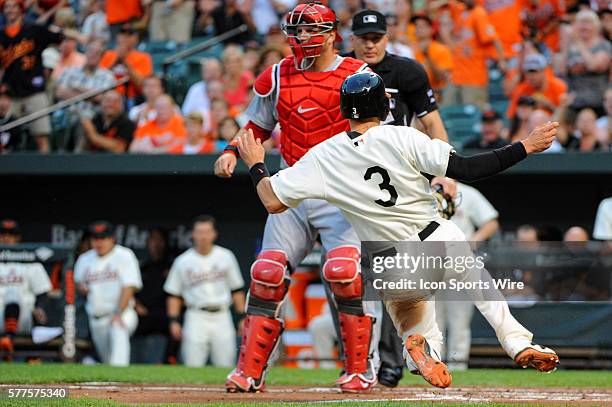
[[446, 204]]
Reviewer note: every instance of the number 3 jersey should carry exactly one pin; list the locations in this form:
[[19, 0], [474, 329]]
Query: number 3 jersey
[[105, 276], [374, 179]]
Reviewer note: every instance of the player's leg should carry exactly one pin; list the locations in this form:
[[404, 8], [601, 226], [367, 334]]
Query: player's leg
[[287, 239], [196, 339], [459, 336], [11, 326], [342, 270], [514, 337], [120, 338], [99, 329], [223, 340], [415, 321], [323, 334]]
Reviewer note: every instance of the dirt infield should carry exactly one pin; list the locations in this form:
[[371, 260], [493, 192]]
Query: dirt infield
[[131, 393]]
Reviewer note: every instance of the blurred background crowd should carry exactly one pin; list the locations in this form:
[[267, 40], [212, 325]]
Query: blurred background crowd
[[547, 59]]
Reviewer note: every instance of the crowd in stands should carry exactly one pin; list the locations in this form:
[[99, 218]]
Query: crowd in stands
[[554, 57]]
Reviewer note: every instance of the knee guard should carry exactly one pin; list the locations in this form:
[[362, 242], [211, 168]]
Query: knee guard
[[269, 283], [11, 318], [343, 273]]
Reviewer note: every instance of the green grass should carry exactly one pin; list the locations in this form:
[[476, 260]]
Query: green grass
[[72, 373]]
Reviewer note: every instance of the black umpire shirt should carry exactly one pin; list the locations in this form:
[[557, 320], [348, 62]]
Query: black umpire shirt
[[407, 83]]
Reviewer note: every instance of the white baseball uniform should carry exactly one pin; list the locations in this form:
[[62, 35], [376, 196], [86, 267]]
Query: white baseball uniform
[[473, 211], [206, 282], [105, 277], [603, 220], [375, 180], [20, 283]]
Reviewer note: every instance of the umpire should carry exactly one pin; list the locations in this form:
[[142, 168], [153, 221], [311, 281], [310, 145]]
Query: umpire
[[411, 98], [405, 79]]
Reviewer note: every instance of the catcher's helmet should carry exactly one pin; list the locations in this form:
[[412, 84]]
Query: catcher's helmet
[[363, 96]]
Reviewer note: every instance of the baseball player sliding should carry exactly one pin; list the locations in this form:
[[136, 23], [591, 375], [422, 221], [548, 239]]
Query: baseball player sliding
[[208, 279], [301, 94], [374, 174], [108, 275]]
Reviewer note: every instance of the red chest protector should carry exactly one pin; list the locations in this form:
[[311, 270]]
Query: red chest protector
[[309, 106]]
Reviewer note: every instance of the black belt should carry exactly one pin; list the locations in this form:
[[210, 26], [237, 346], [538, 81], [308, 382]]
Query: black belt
[[429, 229], [210, 309]]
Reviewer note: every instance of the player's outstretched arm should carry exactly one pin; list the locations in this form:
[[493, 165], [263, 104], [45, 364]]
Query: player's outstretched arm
[[226, 163], [490, 163], [253, 154]]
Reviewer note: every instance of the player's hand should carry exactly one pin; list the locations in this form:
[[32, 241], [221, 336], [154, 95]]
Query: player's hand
[[225, 165], [117, 320], [82, 289], [251, 150], [541, 138], [40, 315], [141, 310], [449, 186], [176, 332]]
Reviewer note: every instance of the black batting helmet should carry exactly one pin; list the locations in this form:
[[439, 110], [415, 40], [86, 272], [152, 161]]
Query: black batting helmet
[[363, 96]]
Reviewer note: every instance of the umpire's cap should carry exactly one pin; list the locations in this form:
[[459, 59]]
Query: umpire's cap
[[100, 229], [363, 96]]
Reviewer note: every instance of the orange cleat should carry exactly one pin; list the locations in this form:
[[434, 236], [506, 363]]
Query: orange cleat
[[433, 371], [6, 348], [539, 357]]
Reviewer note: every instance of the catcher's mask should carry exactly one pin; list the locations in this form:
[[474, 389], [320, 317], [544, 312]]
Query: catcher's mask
[[317, 19]]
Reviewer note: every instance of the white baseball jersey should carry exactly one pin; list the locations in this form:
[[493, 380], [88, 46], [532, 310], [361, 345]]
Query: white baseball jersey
[[374, 179], [205, 280], [473, 210], [105, 277], [21, 282], [603, 221]]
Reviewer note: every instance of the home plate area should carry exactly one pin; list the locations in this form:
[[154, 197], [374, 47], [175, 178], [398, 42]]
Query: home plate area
[[129, 393]]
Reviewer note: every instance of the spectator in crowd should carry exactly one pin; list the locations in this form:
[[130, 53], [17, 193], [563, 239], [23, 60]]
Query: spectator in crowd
[[470, 38], [110, 130], [95, 26], [541, 20], [576, 234], [152, 88], [75, 81], [125, 60], [605, 16], [477, 219], [585, 137], [207, 279], [269, 56], [120, 13], [163, 133], [68, 54], [225, 16], [277, 39], [543, 87], [237, 80], [505, 17], [395, 46], [228, 128], [21, 50], [109, 275], [526, 233], [587, 62], [602, 230], [196, 141], [151, 337], [436, 57], [23, 292], [197, 99], [492, 133], [171, 20], [269, 13], [519, 128], [604, 123], [9, 140]]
